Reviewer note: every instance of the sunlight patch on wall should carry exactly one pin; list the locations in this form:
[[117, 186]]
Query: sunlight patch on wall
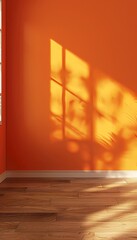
[[115, 123], [78, 74], [69, 95], [55, 60], [56, 109], [97, 117]]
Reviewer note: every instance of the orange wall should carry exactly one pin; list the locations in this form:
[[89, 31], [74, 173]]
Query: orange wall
[[3, 126], [100, 33]]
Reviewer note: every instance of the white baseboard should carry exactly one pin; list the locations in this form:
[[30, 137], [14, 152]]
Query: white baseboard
[[3, 176], [72, 174]]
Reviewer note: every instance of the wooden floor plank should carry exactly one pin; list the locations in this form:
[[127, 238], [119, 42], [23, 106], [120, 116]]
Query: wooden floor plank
[[42, 236], [27, 217], [57, 209]]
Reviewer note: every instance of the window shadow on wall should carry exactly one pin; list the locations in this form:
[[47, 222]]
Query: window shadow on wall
[[93, 115]]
